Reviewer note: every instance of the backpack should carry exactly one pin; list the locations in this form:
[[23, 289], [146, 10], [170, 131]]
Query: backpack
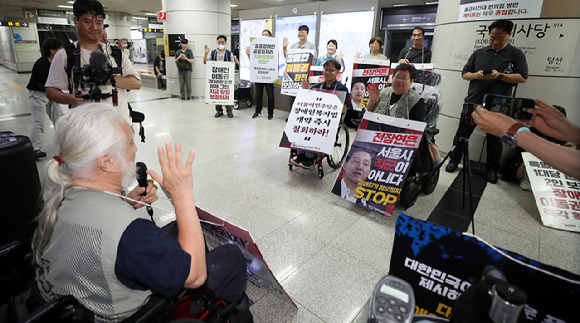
[[183, 65]]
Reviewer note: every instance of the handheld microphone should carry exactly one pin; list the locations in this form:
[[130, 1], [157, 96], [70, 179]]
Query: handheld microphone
[[142, 180]]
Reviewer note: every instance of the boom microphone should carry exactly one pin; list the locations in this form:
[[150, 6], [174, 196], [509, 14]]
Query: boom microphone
[[142, 180]]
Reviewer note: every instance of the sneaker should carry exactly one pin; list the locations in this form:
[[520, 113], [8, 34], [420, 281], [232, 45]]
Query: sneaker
[[230, 114], [270, 116], [182, 98], [255, 115], [188, 98], [219, 114], [300, 162], [491, 176], [525, 185], [38, 154], [451, 167]]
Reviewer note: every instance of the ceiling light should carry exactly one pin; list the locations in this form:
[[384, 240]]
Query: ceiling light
[[70, 2], [150, 14], [63, 6], [140, 18], [432, 2], [233, 5]]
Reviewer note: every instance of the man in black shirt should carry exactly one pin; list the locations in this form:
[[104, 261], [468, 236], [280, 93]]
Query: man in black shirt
[[492, 69], [159, 70], [39, 103], [417, 53]]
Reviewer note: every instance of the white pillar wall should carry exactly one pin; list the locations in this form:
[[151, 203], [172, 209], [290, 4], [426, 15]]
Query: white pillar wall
[[201, 21], [119, 25], [453, 44]]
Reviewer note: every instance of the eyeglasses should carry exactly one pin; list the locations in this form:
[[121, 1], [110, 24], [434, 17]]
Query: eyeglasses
[[493, 38], [330, 71], [89, 17], [401, 78]]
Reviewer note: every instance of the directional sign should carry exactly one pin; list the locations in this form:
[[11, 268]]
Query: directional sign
[[161, 16], [29, 15]]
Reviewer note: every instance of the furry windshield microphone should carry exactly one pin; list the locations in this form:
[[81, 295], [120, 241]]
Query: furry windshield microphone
[[98, 59]]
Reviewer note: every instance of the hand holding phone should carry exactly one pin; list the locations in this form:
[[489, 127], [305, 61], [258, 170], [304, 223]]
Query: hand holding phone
[[510, 106]]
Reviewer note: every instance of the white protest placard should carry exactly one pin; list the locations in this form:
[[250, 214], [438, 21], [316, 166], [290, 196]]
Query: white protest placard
[[264, 60], [557, 195], [313, 122], [219, 88]]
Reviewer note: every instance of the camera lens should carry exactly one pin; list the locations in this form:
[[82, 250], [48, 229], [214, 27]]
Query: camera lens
[[100, 76]]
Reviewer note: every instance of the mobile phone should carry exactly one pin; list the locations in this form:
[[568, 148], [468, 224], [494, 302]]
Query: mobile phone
[[487, 72], [510, 106], [393, 301]]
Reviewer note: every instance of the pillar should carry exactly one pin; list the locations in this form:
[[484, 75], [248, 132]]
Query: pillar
[[119, 25], [201, 21]]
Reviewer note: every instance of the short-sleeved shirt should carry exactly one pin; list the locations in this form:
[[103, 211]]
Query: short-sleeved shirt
[[322, 59], [159, 62], [508, 60], [307, 45], [414, 55], [58, 78], [39, 75], [381, 56]]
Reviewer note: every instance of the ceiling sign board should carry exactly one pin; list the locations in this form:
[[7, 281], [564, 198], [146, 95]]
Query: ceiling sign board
[[52, 17], [29, 15]]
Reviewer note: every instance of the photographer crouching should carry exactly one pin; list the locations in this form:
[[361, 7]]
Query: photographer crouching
[[89, 73]]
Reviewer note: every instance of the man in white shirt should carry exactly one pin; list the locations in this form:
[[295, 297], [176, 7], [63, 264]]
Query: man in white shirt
[[356, 169], [89, 20]]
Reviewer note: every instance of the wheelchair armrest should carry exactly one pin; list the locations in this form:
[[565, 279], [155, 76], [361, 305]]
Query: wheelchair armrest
[[41, 314], [154, 306]]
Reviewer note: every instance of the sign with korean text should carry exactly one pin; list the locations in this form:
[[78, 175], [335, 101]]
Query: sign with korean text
[[378, 162], [297, 66], [219, 88], [369, 72], [313, 122], [316, 75], [54, 17], [499, 9], [536, 38], [219, 232], [264, 60], [557, 195], [441, 265]]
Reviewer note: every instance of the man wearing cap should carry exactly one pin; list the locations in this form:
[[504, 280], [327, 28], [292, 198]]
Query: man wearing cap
[[184, 60]]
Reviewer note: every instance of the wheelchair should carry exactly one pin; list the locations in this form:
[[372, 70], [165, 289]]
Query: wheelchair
[[334, 160], [424, 175]]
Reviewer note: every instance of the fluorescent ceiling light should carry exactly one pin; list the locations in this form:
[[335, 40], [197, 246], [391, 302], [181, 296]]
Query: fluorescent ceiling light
[[433, 2], [70, 2], [150, 14], [63, 6], [233, 5], [140, 18]]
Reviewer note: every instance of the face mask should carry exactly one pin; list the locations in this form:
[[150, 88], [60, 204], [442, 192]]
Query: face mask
[[221, 47]]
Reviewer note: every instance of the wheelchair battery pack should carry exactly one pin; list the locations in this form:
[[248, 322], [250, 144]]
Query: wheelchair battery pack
[[20, 190]]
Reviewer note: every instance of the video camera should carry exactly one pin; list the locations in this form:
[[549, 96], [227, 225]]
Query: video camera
[[99, 71]]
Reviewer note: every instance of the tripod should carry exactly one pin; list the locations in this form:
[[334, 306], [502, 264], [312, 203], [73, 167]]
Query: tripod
[[466, 174]]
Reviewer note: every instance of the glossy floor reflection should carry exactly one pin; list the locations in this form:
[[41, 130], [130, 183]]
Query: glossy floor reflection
[[326, 252]]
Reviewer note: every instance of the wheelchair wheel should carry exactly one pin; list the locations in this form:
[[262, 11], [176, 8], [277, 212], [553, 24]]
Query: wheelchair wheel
[[409, 193], [248, 103], [340, 147], [236, 104], [430, 183]]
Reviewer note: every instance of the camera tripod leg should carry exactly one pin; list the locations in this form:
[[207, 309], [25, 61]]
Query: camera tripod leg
[[467, 178]]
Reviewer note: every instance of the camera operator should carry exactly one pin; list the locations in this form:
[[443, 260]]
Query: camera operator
[[493, 69], [547, 120], [89, 20]]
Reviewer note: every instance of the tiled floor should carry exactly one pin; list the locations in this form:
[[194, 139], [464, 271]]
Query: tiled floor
[[327, 253]]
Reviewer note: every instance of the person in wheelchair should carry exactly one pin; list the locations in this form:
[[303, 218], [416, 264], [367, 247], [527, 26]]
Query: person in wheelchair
[[92, 244], [305, 159]]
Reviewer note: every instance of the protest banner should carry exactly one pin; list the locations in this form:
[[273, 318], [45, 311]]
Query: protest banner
[[316, 75], [219, 88], [387, 147], [297, 66], [219, 232], [498, 9], [557, 195], [313, 122], [370, 72], [264, 60], [441, 265]]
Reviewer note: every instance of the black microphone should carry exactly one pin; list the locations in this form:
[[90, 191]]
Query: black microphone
[[142, 180]]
